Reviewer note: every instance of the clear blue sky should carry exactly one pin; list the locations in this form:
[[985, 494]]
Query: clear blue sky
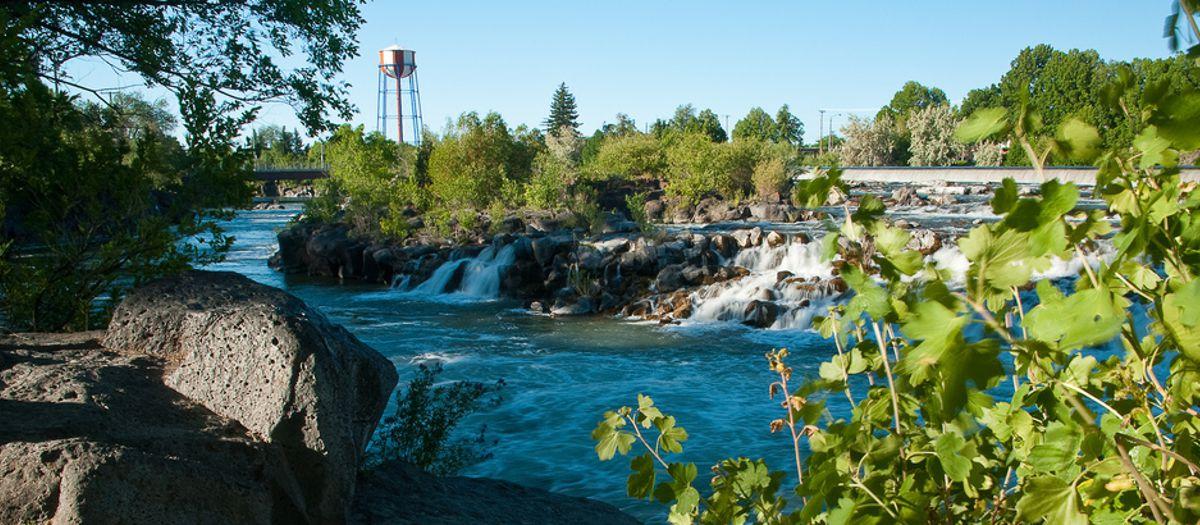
[[645, 58]]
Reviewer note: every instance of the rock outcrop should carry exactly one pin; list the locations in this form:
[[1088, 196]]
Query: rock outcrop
[[92, 435], [210, 398], [261, 357]]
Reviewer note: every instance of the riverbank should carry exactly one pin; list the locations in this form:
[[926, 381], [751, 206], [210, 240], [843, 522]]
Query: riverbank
[[758, 264]]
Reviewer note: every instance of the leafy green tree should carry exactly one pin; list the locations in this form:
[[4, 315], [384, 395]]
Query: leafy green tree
[[756, 125], [623, 127], [687, 120], [187, 45], [697, 167], [788, 127], [91, 210], [563, 112], [912, 97], [277, 146]]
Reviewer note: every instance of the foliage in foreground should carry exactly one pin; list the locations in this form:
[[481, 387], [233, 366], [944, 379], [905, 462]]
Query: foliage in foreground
[[422, 429], [1086, 435]]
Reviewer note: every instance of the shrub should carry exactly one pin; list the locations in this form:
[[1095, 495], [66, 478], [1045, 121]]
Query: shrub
[[868, 143], [636, 204], [988, 154], [933, 142], [629, 156], [741, 156], [772, 176], [422, 429], [696, 167], [474, 159], [547, 190]]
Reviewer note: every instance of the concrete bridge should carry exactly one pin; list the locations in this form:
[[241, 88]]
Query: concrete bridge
[[1081, 175]]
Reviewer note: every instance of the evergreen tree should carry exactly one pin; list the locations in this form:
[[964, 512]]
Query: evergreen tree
[[563, 111]]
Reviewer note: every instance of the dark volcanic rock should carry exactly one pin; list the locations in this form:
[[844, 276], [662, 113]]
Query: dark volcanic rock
[[401, 493], [760, 314]]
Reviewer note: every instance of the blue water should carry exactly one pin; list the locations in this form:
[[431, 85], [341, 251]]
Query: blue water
[[562, 373]]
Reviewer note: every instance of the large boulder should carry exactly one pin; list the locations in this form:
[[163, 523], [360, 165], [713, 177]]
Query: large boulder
[[91, 435], [261, 357]]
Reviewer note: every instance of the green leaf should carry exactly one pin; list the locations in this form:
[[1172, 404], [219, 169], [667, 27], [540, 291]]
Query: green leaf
[[1085, 318], [641, 481], [610, 440], [982, 124], [647, 412], [1176, 120], [1052, 499], [1058, 448], [1181, 316], [949, 448], [1156, 150], [1006, 196], [1081, 140], [670, 436], [939, 329], [869, 298]]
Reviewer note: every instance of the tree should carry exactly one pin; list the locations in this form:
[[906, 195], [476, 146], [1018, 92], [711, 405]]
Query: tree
[[788, 127], [933, 142], [687, 120], [475, 160], [563, 113], [233, 49], [868, 143], [912, 97], [757, 125]]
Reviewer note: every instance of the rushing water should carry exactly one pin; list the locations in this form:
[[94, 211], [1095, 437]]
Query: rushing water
[[562, 373]]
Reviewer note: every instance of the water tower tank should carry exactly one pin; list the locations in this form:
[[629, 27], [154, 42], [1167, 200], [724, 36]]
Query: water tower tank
[[397, 62]]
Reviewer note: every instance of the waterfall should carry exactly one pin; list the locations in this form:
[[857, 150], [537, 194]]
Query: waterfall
[[787, 285], [477, 276]]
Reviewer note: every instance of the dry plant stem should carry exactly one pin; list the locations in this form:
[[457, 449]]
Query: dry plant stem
[[787, 405], [887, 369]]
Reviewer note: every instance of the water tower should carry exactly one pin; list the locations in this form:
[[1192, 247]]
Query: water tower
[[399, 64]]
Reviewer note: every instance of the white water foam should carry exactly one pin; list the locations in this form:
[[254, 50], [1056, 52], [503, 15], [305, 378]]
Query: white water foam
[[798, 296], [479, 279]]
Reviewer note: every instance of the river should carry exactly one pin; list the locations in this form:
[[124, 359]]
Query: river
[[562, 373]]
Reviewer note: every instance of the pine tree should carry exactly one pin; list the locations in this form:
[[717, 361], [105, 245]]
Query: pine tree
[[563, 111]]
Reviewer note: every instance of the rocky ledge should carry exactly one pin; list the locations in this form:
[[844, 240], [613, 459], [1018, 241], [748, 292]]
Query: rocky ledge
[[657, 276], [209, 399]]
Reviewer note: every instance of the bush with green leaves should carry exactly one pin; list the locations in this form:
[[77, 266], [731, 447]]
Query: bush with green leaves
[[994, 399], [369, 178], [627, 157], [475, 158], [422, 430]]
